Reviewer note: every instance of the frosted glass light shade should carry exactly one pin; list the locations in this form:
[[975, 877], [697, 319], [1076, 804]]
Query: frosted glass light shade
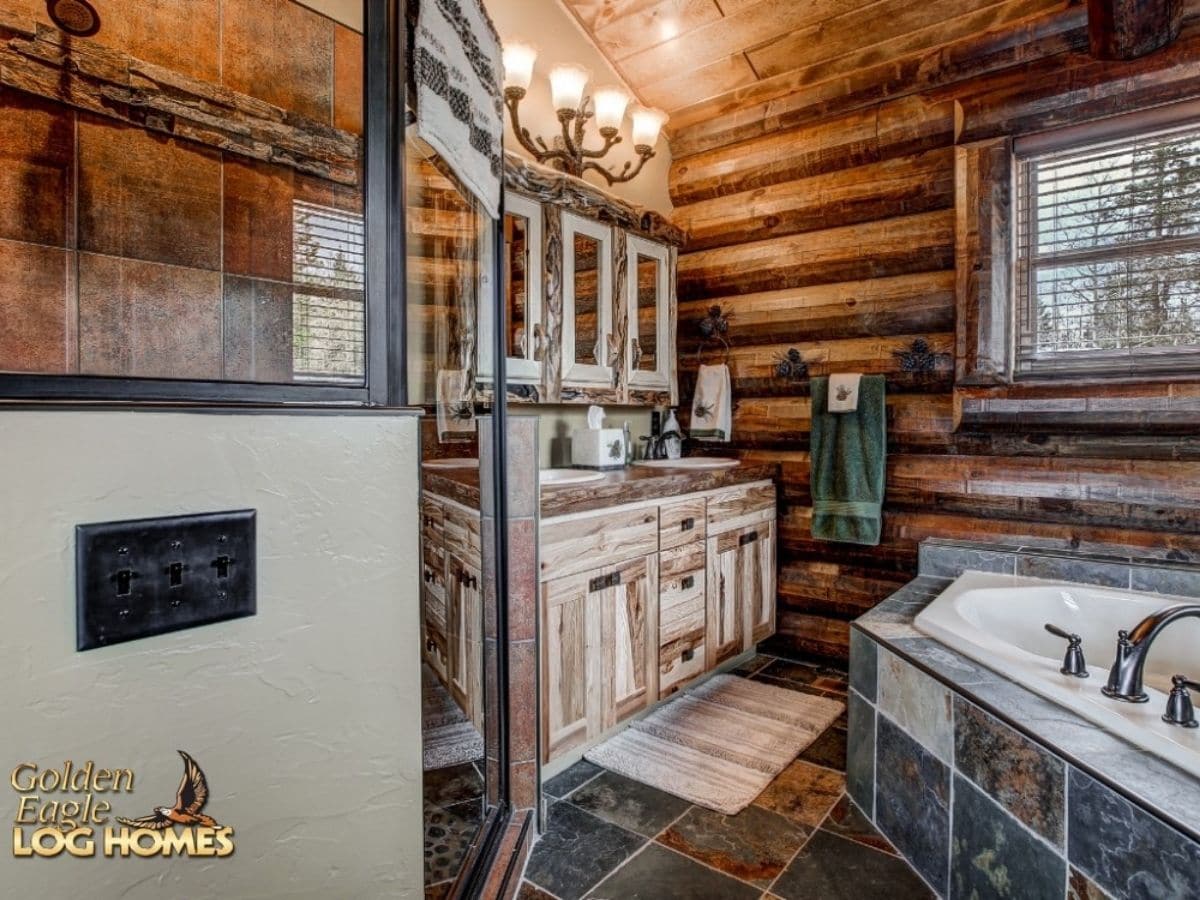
[[647, 123], [519, 58], [566, 86], [611, 102]]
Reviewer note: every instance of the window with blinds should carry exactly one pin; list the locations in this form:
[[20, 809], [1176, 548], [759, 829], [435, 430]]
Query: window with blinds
[[329, 295], [1108, 256]]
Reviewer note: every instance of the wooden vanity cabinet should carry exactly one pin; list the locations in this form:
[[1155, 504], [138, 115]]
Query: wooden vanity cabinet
[[640, 600], [452, 601], [598, 652]]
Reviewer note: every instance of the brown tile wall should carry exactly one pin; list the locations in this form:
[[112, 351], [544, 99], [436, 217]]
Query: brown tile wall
[[125, 252]]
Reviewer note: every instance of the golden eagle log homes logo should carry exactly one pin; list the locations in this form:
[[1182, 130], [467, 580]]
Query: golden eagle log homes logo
[[65, 811]]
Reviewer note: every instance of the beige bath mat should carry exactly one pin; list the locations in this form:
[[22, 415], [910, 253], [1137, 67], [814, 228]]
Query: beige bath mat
[[719, 744]]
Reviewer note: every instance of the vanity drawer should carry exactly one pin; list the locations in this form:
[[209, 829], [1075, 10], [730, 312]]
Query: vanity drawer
[[741, 506], [461, 529], [681, 616], [432, 521], [681, 522], [571, 545]]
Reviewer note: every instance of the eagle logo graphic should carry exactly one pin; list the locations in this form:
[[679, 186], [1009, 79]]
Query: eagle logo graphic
[[189, 800]]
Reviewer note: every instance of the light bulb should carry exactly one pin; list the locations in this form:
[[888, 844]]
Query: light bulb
[[519, 58], [611, 102], [566, 86], [647, 123]]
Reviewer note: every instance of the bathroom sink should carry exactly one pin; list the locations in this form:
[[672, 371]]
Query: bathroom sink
[[560, 477], [690, 462], [459, 462]]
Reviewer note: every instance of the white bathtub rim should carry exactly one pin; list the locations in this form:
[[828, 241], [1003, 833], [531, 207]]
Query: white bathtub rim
[[1140, 724]]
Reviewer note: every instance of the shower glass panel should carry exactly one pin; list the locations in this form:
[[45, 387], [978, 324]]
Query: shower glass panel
[[200, 234], [450, 276]]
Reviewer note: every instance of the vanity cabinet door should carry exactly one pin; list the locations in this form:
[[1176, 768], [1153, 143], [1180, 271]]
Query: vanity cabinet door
[[465, 643], [571, 664], [758, 567], [741, 590], [598, 656], [629, 599]]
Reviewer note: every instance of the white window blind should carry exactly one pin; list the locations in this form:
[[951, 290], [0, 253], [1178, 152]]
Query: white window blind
[[1108, 256], [329, 294]]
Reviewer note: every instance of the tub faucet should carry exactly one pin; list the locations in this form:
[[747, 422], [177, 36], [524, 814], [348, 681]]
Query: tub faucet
[[1125, 677]]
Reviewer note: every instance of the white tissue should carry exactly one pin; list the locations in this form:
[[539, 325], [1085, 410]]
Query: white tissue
[[595, 417]]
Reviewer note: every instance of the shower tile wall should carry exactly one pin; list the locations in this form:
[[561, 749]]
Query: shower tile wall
[[127, 252]]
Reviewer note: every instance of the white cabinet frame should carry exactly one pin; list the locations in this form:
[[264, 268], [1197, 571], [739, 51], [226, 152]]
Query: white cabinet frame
[[525, 369], [660, 378], [575, 373]]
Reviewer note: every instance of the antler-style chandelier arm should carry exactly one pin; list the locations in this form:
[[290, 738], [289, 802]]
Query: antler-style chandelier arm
[[572, 157], [542, 153], [644, 155]]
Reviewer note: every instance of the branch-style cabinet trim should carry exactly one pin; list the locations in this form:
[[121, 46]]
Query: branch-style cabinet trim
[[593, 314]]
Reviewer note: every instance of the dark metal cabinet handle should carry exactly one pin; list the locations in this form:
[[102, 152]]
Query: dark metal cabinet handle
[[688, 655], [688, 583], [603, 582], [687, 524], [748, 538]]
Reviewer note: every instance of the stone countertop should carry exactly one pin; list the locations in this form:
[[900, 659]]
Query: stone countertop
[[616, 488], [644, 483], [1150, 782]]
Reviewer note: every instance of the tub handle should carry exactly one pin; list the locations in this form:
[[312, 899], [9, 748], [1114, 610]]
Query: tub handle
[[1179, 705], [1073, 662]]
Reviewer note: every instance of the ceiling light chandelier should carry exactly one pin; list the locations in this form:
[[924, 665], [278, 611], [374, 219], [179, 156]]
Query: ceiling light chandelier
[[574, 109]]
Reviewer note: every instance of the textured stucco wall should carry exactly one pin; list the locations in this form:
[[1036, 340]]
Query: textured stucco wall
[[305, 718]]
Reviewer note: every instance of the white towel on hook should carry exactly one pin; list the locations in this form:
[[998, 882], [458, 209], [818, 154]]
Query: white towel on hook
[[455, 407], [843, 392], [712, 406]]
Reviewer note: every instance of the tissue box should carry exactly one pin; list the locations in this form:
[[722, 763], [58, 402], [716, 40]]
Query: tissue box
[[598, 448]]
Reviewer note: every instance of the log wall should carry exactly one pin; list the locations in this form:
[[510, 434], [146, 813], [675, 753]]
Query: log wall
[[824, 221]]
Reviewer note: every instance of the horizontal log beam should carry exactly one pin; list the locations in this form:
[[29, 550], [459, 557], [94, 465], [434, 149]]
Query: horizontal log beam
[[883, 190], [40, 60], [921, 243]]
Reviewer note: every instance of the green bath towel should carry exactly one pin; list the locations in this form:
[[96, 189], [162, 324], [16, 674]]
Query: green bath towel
[[848, 457]]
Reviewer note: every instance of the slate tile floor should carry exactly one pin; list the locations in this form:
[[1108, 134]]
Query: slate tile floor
[[453, 813], [610, 838]]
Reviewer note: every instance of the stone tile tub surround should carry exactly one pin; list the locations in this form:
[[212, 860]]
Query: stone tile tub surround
[[991, 791]]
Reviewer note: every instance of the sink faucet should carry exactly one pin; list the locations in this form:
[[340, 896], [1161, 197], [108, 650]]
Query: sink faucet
[[1125, 677]]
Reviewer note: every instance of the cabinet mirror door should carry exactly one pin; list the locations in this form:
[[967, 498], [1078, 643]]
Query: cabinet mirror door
[[588, 351], [526, 339], [522, 286], [648, 289]]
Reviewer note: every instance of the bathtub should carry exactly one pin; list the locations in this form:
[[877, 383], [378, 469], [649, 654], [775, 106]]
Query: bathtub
[[997, 620]]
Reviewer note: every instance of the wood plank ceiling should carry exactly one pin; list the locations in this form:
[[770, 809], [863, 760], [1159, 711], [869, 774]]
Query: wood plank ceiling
[[700, 58]]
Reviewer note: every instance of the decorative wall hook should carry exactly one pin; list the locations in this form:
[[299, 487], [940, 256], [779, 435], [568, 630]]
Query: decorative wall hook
[[791, 366], [713, 327], [919, 358]]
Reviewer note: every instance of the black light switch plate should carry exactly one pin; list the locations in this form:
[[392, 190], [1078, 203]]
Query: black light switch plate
[[144, 577]]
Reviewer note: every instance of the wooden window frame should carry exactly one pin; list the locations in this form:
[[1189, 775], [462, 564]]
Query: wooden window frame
[[988, 394]]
